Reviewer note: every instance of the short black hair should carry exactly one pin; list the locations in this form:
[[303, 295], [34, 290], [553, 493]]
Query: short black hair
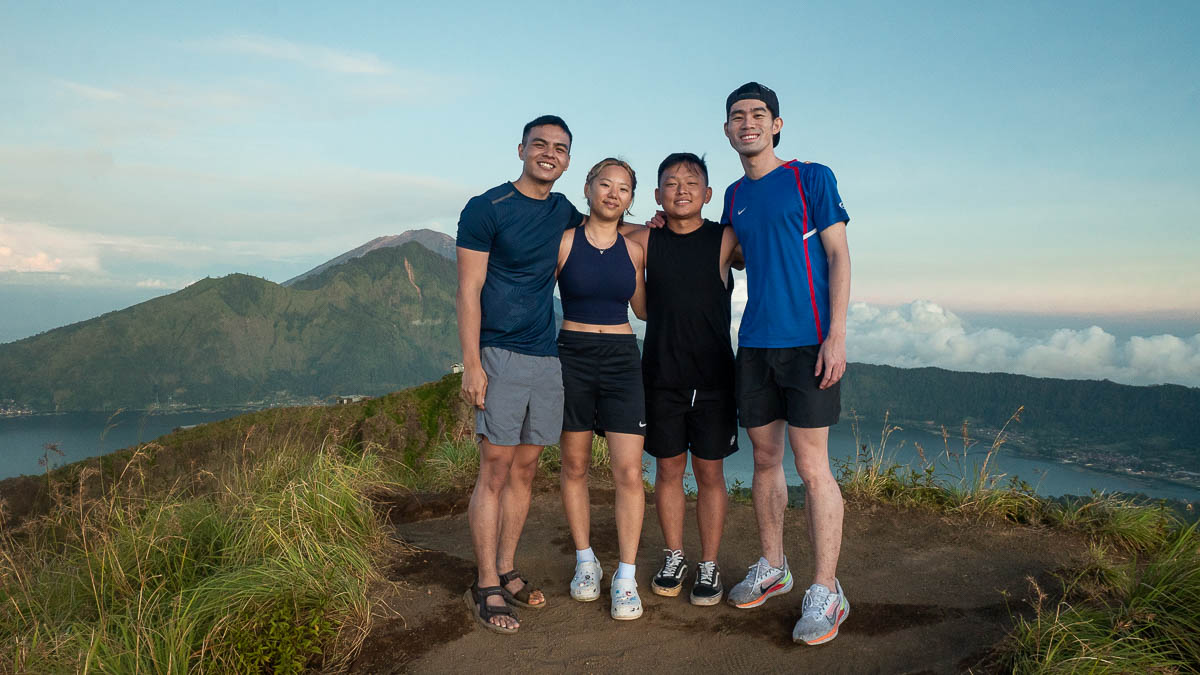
[[683, 158], [554, 120]]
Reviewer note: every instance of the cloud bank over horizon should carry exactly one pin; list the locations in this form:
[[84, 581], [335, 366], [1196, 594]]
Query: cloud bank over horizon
[[923, 333]]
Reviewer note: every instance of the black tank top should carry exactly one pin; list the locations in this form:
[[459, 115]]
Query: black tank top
[[687, 335], [594, 285]]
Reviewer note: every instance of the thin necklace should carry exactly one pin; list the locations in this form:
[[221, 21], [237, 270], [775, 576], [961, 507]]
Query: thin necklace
[[593, 243]]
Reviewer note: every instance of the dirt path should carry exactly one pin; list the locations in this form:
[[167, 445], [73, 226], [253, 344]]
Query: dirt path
[[928, 595]]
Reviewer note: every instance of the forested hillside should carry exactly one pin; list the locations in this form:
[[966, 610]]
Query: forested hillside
[[372, 325]]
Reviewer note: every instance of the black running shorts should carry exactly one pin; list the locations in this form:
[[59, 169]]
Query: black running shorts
[[703, 421], [602, 382], [778, 383]]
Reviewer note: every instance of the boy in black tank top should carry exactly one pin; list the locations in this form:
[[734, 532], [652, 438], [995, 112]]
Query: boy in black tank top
[[687, 364]]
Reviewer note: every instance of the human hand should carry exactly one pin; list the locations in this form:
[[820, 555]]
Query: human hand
[[831, 360], [659, 220], [474, 386]]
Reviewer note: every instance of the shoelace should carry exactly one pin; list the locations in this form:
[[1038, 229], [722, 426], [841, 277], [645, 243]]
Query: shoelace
[[707, 573], [673, 561], [816, 596], [762, 569]]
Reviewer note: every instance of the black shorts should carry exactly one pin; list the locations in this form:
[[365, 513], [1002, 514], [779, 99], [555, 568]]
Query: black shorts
[[602, 382], [775, 384], [701, 420]]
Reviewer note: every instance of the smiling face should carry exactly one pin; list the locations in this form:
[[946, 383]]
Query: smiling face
[[546, 153], [682, 191], [751, 127], [610, 192]]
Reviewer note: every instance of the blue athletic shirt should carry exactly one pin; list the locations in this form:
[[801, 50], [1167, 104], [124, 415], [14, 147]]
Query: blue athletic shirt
[[787, 275], [521, 236]]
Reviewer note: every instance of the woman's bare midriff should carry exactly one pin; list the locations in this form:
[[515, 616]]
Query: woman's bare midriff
[[622, 328]]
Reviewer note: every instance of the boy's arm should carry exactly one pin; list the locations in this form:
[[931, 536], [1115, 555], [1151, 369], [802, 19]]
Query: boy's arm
[[731, 252]]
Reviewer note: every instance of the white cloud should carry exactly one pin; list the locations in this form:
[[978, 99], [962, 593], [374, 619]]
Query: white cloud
[[55, 253], [152, 283], [90, 92], [925, 334], [314, 56], [39, 249]]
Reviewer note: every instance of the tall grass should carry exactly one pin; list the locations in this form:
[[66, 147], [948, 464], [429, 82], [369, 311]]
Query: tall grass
[[267, 571], [962, 481], [1141, 616]]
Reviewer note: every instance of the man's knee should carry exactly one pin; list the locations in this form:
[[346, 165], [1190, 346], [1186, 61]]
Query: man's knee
[[768, 456], [709, 475], [670, 469], [494, 469], [524, 472]]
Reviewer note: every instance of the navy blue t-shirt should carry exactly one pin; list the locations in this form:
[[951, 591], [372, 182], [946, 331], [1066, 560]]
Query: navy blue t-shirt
[[778, 219], [521, 236]]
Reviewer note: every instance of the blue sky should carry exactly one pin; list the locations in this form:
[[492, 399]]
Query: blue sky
[[994, 158]]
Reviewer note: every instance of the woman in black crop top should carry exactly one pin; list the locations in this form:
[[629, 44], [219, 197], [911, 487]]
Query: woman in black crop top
[[600, 275]]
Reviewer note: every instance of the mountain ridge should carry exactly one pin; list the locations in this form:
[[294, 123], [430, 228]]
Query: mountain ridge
[[442, 244]]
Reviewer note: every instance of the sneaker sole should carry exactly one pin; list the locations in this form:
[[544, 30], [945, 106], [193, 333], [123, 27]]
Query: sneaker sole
[[706, 602], [828, 637], [763, 598], [663, 590]]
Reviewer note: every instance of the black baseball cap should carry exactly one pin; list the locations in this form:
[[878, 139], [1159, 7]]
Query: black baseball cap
[[758, 92]]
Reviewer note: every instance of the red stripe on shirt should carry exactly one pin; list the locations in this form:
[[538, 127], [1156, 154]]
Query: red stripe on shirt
[[812, 294]]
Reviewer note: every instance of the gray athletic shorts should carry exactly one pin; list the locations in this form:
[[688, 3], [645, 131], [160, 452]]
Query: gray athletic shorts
[[524, 400]]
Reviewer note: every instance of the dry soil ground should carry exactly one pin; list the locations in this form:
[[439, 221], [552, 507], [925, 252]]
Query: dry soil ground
[[928, 594]]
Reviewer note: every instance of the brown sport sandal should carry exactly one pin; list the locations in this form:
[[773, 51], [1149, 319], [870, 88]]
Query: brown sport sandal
[[521, 597]]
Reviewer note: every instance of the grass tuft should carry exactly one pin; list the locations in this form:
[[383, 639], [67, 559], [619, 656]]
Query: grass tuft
[[266, 572]]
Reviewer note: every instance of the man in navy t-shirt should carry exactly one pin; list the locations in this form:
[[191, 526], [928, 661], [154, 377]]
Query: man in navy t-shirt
[[507, 248], [791, 224]]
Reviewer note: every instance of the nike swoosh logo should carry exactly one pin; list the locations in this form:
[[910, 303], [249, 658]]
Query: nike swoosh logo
[[641, 425], [743, 209]]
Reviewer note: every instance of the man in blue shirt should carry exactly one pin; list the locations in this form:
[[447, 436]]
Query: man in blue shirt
[[791, 224], [507, 247]]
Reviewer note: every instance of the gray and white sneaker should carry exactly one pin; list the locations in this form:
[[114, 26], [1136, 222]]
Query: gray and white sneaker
[[626, 603], [761, 582], [822, 612], [585, 585], [669, 579], [707, 589]]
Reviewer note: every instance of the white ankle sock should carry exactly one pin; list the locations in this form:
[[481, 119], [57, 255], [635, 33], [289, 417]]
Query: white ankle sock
[[625, 571], [585, 555]]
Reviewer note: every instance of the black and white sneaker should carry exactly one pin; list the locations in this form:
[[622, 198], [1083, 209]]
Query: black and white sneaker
[[669, 579], [707, 589]]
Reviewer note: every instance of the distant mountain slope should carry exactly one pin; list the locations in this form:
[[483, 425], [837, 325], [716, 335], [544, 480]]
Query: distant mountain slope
[[1160, 422], [375, 324], [437, 242]]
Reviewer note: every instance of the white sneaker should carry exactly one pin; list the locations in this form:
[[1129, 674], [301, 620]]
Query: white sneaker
[[626, 603], [823, 611], [585, 586]]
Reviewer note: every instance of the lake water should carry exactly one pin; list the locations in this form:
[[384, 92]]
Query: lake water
[[82, 435], [1050, 479]]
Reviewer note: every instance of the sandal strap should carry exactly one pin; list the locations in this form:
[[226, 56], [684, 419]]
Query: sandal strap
[[486, 611], [509, 577]]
